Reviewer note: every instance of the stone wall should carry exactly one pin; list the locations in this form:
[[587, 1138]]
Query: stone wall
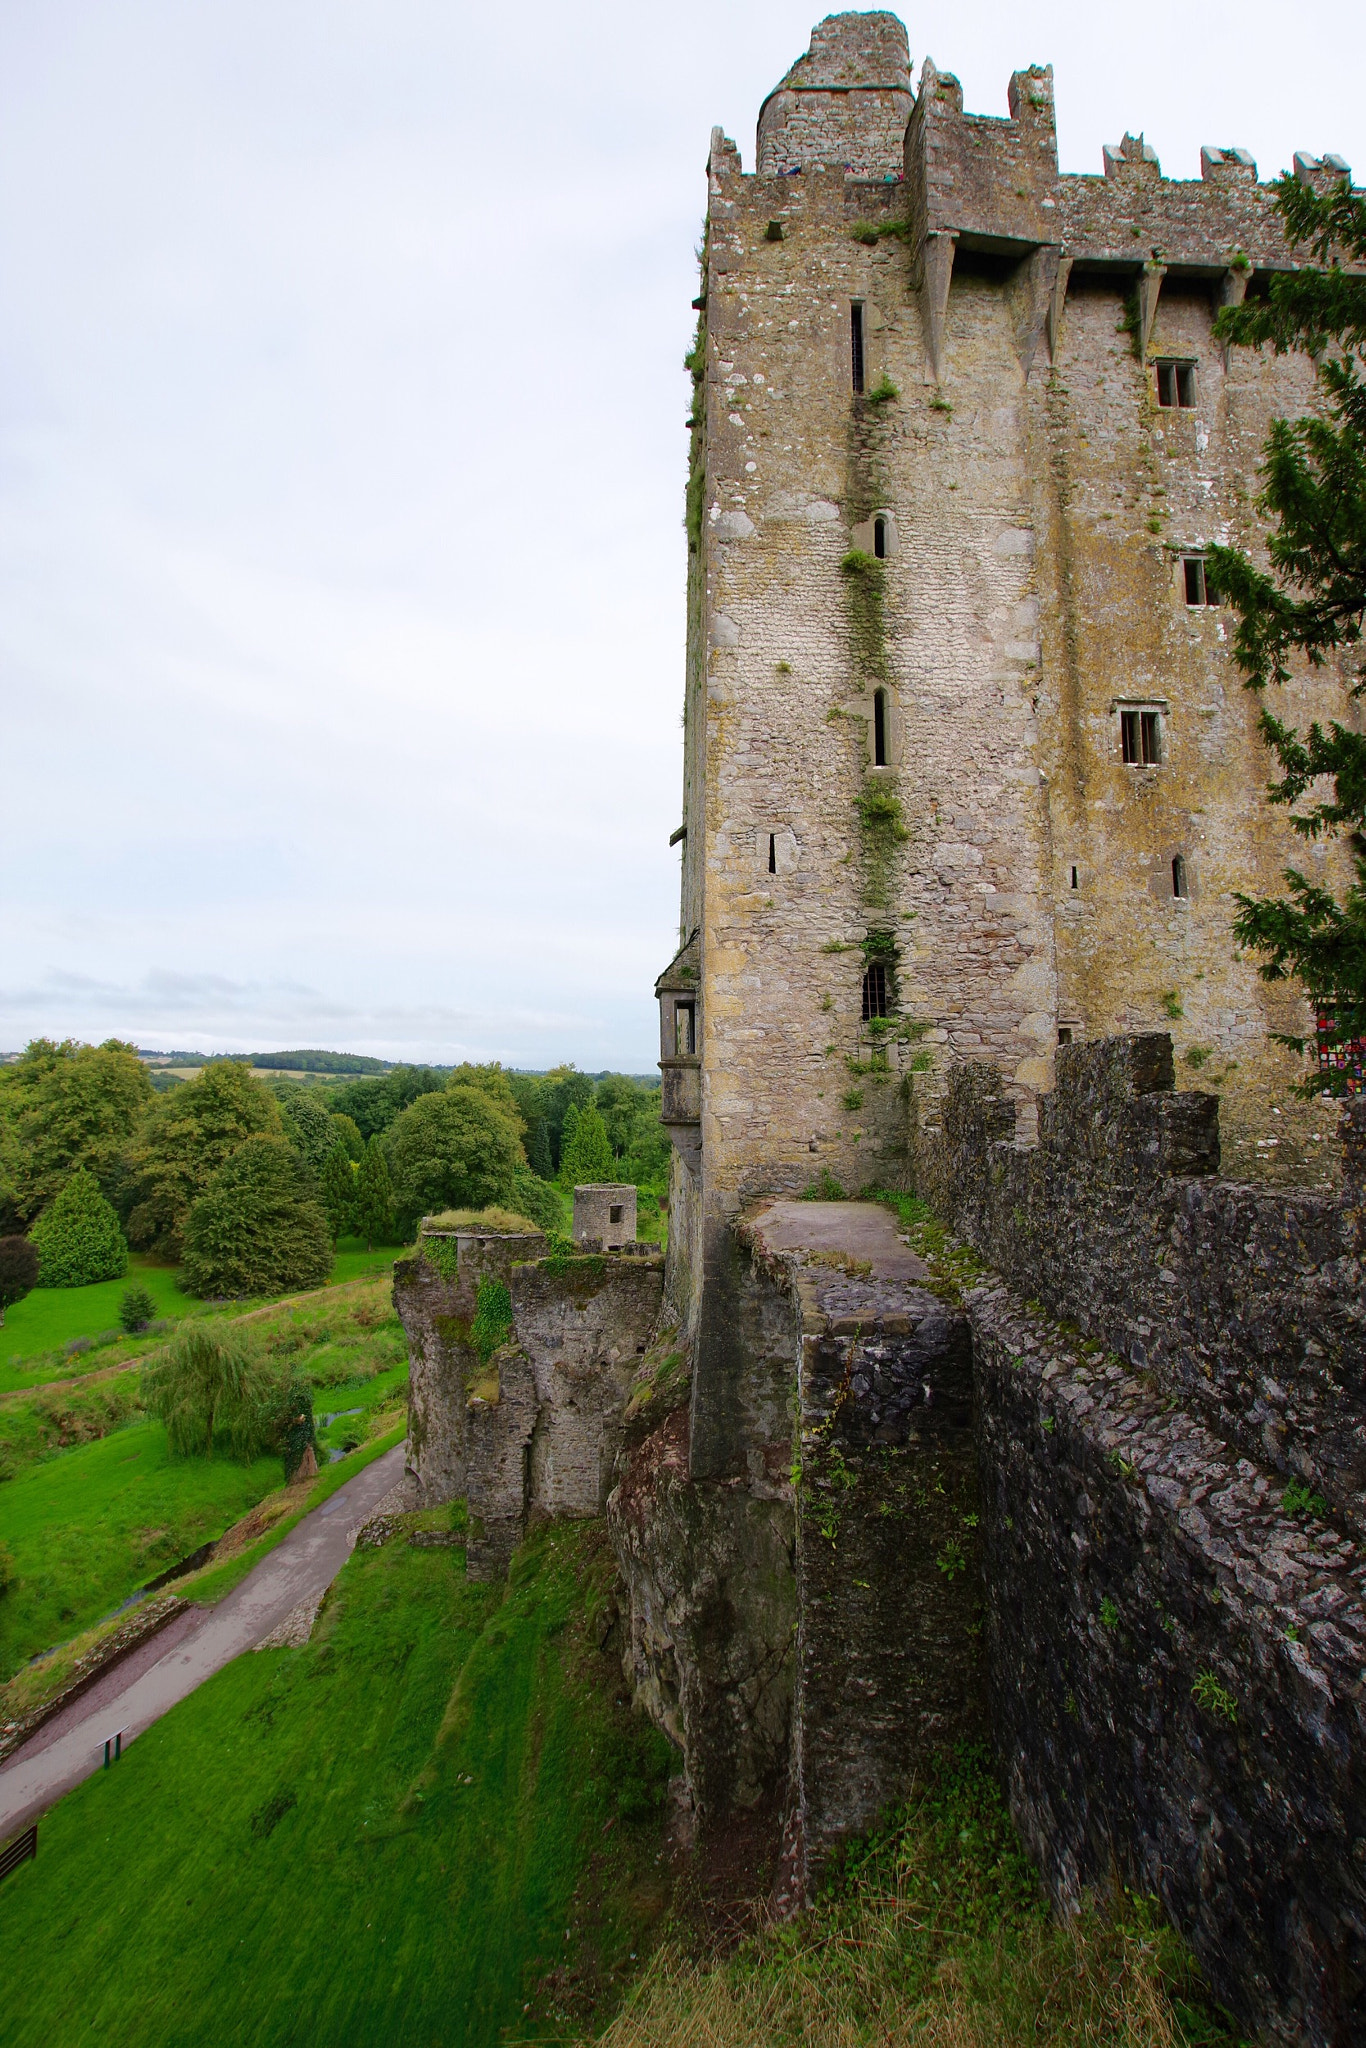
[[1246, 1303], [530, 1425], [1175, 1674]]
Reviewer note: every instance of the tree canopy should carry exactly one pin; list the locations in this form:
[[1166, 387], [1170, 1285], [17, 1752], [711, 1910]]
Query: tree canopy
[[63, 1107], [374, 1197], [184, 1140], [588, 1153], [18, 1271], [1308, 607], [456, 1150], [258, 1227], [307, 1121]]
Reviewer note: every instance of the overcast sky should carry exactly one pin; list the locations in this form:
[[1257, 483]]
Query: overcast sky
[[341, 470]]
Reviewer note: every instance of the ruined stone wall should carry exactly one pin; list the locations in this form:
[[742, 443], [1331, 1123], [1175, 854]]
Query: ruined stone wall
[[1245, 1303], [533, 1428]]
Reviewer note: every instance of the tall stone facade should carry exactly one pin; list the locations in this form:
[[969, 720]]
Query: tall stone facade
[[962, 748]]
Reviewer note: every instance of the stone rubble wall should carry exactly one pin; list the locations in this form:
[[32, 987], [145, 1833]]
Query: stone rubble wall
[[1246, 1303], [535, 1430], [1175, 1674]]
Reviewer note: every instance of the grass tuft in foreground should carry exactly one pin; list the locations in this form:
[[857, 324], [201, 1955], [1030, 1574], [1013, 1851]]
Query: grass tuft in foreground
[[935, 1933]]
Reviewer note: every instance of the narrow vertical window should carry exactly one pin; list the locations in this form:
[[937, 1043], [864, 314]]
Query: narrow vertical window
[[1129, 737], [856, 341], [1195, 579], [1150, 732], [879, 728], [874, 990], [1166, 384], [1185, 384], [1075, 882], [880, 537], [685, 1029], [773, 853], [1179, 876]]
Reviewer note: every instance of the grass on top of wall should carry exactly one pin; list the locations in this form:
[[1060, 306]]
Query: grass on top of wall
[[935, 1933], [435, 1823]]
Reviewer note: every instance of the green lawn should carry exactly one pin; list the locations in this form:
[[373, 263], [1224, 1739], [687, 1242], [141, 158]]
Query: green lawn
[[86, 1528], [384, 1837], [53, 1316]]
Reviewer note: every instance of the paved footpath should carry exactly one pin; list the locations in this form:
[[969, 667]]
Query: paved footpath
[[145, 1685]]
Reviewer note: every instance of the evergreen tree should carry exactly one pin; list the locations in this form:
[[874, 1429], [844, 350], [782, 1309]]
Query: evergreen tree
[[78, 1239], [1311, 603], [587, 1156], [538, 1149], [374, 1196], [339, 1191]]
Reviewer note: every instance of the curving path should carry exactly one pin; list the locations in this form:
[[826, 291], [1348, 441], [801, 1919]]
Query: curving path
[[145, 1685]]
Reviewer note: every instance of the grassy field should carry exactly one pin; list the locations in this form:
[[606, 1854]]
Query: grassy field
[[37, 1329], [435, 1824], [93, 1506]]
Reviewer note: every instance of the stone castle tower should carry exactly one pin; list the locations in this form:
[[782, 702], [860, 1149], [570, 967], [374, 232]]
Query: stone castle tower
[[969, 770]]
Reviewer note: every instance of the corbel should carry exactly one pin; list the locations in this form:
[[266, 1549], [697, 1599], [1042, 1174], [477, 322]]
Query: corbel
[[1038, 276], [1056, 304], [936, 269], [1149, 287], [1232, 292]]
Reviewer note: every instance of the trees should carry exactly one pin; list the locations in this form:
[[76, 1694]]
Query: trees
[[587, 1156], [136, 1309], [78, 1239], [536, 1199], [258, 1227], [1311, 604], [184, 1140], [373, 1105], [18, 1272], [207, 1385], [348, 1131], [456, 1150], [339, 1191], [307, 1121], [374, 1201], [64, 1107]]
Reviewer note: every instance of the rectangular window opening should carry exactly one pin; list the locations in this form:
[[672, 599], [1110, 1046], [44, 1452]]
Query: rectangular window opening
[[1064, 1034], [1076, 883], [880, 728], [614, 1211], [1129, 737], [773, 853], [1151, 737], [1179, 876], [685, 1029], [1175, 385], [875, 990], [880, 538], [1195, 580], [856, 340]]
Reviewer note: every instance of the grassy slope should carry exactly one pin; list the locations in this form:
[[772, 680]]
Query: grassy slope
[[86, 1528], [936, 1932], [88, 1522], [52, 1317], [379, 1838]]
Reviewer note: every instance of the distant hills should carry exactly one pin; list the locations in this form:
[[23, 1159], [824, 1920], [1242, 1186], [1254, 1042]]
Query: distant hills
[[309, 1061]]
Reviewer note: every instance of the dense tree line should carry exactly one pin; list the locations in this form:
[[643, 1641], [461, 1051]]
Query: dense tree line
[[250, 1182]]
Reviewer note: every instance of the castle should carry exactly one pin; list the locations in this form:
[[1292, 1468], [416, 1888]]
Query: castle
[[971, 782]]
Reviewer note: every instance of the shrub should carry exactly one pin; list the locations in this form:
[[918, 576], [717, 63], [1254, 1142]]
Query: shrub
[[536, 1199], [78, 1239], [136, 1309], [258, 1228], [205, 1386], [456, 1150], [287, 1424], [18, 1271]]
